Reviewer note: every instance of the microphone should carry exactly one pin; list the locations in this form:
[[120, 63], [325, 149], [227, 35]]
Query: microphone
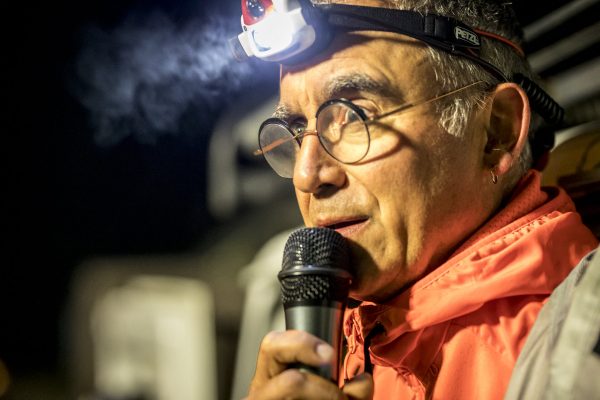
[[314, 289]]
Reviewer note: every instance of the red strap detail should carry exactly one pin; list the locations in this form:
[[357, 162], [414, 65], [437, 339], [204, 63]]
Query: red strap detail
[[502, 39]]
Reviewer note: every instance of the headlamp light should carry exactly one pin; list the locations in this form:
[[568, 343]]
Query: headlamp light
[[263, 37], [274, 30]]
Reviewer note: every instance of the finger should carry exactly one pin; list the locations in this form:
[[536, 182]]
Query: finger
[[295, 384], [279, 349], [359, 388]]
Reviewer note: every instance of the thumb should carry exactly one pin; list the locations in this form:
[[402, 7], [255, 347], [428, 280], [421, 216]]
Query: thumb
[[359, 388]]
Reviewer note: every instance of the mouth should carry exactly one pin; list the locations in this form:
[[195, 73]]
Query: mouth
[[347, 227]]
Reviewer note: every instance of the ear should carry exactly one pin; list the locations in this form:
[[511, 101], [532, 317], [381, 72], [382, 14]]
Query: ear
[[508, 124]]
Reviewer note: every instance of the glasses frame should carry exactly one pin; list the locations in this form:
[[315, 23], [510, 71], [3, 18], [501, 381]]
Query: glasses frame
[[366, 121]]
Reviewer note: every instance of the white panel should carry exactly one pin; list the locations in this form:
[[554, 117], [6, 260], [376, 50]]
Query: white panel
[[155, 337]]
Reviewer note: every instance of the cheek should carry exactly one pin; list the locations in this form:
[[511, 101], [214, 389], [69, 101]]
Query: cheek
[[303, 200], [391, 186], [414, 178]]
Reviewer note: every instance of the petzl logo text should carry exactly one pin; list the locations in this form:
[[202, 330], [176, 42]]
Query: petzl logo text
[[466, 35]]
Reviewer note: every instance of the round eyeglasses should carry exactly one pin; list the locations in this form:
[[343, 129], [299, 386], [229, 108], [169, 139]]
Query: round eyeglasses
[[341, 126]]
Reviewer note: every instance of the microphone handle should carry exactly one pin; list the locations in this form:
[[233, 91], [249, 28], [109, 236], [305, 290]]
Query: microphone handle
[[324, 322]]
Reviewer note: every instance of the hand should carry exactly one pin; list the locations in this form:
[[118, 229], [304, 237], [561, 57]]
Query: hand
[[273, 380]]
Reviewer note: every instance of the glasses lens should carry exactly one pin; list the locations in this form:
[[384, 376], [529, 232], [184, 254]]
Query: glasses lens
[[343, 132], [279, 148]]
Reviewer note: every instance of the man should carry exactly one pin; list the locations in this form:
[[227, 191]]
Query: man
[[421, 159]]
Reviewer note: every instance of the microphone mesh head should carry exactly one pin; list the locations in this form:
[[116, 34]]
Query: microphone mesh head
[[315, 247], [314, 267]]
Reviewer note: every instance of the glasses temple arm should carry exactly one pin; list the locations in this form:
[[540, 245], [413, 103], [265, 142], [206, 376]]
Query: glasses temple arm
[[279, 142], [419, 103]]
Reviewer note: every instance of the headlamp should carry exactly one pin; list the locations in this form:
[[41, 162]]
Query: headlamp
[[275, 30], [290, 31]]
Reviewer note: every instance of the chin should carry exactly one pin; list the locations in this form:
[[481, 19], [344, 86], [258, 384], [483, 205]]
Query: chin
[[365, 291], [384, 288], [360, 288]]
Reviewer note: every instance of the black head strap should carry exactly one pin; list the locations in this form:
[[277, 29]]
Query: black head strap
[[445, 33]]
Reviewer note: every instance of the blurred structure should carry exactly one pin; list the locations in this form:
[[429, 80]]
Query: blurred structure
[[564, 46], [262, 312], [154, 337], [114, 299], [238, 179], [575, 166]]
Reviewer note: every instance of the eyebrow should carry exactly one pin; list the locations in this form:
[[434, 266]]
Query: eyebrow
[[338, 85], [358, 82], [282, 112]]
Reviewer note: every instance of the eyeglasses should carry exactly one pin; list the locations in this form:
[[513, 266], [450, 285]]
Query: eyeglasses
[[341, 126]]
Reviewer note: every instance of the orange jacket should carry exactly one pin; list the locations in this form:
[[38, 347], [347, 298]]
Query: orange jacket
[[457, 332]]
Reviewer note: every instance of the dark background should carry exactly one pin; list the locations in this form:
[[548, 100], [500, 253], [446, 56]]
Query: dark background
[[70, 197]]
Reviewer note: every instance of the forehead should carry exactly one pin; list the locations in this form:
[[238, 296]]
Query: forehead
[[388, 64]]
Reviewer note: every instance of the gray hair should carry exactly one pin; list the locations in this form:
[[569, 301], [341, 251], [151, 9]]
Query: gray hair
[[451, 72]]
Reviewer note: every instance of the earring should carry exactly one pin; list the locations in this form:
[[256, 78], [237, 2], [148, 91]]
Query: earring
[[494, 176]]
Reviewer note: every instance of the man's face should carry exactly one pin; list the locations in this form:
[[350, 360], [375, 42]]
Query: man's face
[[417, 194]]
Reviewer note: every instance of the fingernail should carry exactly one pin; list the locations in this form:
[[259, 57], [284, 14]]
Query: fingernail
[[325, 352]]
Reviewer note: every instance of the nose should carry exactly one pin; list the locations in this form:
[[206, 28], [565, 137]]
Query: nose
[[315, 170]]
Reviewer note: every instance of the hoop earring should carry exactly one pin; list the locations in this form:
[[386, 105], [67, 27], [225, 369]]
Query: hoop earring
[[494, 176]]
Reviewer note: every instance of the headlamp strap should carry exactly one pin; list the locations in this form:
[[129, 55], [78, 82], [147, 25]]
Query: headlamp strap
[[444, 31], [441, 32]]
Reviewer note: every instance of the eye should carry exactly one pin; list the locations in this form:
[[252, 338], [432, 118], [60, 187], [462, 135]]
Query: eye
[[346, 115], [351, 116], [368, 111], [298, 126]]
